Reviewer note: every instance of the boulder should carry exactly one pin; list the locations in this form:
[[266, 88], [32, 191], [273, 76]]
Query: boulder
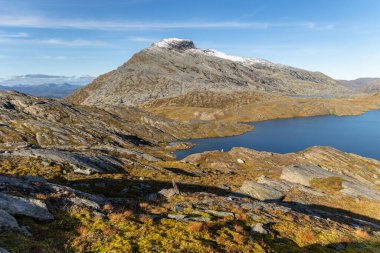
[[260, 191], [167, 193], [240, 161], [33, 208], [8, 222], [179, 217], [279, 185], [258, 228]]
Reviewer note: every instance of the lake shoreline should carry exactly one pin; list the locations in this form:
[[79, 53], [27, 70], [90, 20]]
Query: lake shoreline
[[335, 118]]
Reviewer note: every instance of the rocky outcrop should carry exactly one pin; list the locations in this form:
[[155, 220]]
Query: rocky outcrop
[[260, 191], [18, 199], [8, 222], [29, 207], [360, 190], [303, 174], [81, 163]]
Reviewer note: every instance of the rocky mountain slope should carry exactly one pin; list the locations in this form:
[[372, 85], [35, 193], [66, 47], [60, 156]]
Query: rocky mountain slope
[[173, 68], [85, 137], [368, 85], [101, 178], [83, 179]]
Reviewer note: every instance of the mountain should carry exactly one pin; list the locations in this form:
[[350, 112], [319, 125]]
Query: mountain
[[172, 68], [368, 85], [45, 85], [50, 90], [38, 79]]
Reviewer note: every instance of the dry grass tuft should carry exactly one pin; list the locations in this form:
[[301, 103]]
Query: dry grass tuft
[[197, 226], [362, 234]]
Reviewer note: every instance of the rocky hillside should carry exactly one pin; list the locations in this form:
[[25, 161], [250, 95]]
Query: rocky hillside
[[367, 85], [87, 137], [82, 179], [173, 68]]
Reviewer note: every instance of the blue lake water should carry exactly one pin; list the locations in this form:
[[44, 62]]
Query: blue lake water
[[354, 134]]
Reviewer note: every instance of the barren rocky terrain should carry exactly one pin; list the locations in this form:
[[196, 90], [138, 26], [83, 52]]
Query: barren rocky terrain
[[91, 173]]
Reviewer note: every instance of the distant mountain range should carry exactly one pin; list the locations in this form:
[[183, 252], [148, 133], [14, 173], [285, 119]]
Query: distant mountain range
[[45, 85], [369, 85], [50, 90]]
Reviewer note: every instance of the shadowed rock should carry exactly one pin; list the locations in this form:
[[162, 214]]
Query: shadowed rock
[[33, 208]]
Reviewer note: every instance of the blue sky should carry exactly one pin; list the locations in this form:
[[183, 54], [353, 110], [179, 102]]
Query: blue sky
[[80, 37]]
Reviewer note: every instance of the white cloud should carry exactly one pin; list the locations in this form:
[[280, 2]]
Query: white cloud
[[141, 39], [56, 42], [42, 22], [13, 35], [71, 43]]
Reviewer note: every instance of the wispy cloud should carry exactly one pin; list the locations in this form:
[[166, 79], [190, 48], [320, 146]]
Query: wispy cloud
[[42, 22], [73, 43], [13, 35], [141, 39], [55, 42]]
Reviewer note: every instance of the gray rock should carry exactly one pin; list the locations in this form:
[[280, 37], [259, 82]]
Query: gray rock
[[279, 185], [226, 187], [178, 208], [36, 179], [311, 191], [219, 213], [2, 250], [200, 219], [302, 174], [260, 191], [248, 206], [359, 189], [258, 228], [33, 208], [167, 193], [179, 217], [8, 222], [84, 202], [340, 246], [82, 163]]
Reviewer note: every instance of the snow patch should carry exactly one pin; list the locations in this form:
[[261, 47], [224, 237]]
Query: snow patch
[[243, 60], [175, 43], [185, 44]]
